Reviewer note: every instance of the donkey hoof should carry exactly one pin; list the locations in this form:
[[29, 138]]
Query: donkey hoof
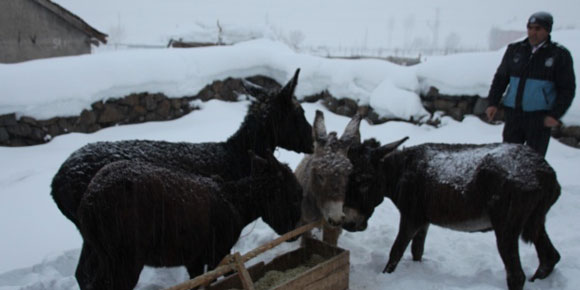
[[545, 269], [516, 282], [541, 273], [390, 268]]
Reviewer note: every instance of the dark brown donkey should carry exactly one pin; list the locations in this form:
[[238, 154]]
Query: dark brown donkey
[[274, 118], [507, 188], [136, 213]]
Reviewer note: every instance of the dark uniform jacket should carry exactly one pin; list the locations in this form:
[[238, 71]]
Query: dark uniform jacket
[[543, 81]]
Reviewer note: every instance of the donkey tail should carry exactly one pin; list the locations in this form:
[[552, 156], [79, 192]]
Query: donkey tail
[[550, 193]]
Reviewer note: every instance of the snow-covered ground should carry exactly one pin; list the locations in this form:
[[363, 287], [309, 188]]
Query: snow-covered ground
[[39, 247]]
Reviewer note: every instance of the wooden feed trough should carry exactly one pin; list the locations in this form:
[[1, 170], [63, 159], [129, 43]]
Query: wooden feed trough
[[315, 266]]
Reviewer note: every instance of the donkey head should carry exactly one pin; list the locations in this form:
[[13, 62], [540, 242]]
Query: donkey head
[[330, 167], [283, 116], [364, 191], [280, 200]]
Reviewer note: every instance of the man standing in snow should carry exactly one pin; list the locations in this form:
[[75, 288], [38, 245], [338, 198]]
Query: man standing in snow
[[541, 87]]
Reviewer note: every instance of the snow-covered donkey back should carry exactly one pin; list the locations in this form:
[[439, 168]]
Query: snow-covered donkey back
[[275, 118], [507, 188], [324, 175]]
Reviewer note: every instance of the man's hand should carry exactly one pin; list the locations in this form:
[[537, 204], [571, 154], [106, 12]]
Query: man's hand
[[551, 122], [490, 112]]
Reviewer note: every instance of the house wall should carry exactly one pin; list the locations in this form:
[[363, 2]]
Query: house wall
[[29, 31], [499, 38]]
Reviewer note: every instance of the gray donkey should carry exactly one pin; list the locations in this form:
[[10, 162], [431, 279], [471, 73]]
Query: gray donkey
[[324, 176]]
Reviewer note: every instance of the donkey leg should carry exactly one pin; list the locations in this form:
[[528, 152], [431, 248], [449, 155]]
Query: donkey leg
[[418, 244], [123, 267], [331, 234], [407, 230], [507, 244], [194, 268], [87, 268], [547, 254], [126, 279]]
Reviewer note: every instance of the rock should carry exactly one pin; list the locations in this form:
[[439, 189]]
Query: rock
[[150, 103], [264, 82], [464, 105], [163, 109], [480, 106], [443, 105], [20, 130], [37, 135], [112, 114], [330, 103], [317, 97], [432, 93], [29, 121], [159, 97], [573, 131], [456, 113], [570, 141], [130, 100], [4, 136], [98, 106], [176, 104], [8, 120], [87, 118]]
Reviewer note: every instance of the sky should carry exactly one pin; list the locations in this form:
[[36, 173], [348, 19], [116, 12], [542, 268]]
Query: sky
[[337, 27], [39, 247]]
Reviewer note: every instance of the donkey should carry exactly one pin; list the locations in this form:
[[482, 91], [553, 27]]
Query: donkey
[[507, 188], [324, 175], [273, 119], [136, 213]]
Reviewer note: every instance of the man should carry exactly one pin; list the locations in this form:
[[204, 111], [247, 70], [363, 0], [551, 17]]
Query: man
[[541, 87]]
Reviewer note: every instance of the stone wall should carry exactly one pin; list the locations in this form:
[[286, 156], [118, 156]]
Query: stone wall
[[454, 106], [144, 107], [458, 107], [134, 108]]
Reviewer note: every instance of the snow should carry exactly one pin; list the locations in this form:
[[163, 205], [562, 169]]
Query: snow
[[389, 101], [39, 247], [392, 90], [181, 72]]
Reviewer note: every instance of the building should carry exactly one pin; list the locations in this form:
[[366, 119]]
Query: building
[[32, 29], [499, 38]]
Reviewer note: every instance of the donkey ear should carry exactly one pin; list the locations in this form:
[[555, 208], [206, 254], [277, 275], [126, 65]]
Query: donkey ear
[[351, 134], [383, 151], [287, 92], [319, 129], [254, 90]]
